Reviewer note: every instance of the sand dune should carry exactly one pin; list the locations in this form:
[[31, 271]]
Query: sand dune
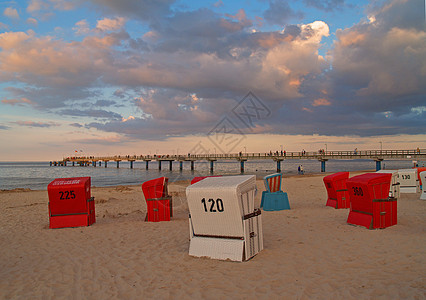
[[310, 251]]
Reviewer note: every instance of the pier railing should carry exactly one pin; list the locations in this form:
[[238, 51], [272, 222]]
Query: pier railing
[[320, 155]]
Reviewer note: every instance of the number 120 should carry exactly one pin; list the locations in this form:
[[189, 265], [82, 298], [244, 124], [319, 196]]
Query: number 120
[[218, 203]]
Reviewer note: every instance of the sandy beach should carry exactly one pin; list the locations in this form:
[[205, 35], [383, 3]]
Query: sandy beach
[[310, 251]]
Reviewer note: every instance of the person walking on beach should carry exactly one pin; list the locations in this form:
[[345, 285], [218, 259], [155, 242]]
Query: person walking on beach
[[298, 169], [301, 170]]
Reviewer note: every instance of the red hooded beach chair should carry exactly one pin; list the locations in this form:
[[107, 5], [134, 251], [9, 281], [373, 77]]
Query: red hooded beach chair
[[371, 205], [70, 203], [335, 184], [199, 178], [158, 202]]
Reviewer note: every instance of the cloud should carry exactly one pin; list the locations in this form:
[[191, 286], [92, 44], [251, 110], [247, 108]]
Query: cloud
[[32, 21], [36, 5], [41, 9], [222, 61], [3, 26], [44, 8], [140, 10], [321, 102], [20, 101], [37, 124], [326, 5], [64, 4], [218, 3], [110, 24], [54, 71], [381, 61], [81, 27], [77, 125], [107, 141], [94, 113], [11, 13], [280, 13], [120, 93], [374, 83], [192, 67], [403, 14], [128, 119], [104, 103]]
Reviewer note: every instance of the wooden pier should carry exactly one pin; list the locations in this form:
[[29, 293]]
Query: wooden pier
[[377, 155]]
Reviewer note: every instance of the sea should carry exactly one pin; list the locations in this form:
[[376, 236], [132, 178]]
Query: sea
[[37, 175]]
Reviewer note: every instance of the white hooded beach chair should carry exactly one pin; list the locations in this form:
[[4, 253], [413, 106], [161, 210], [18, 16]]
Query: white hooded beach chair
[[394, 188], [223, 221], [408, 181]]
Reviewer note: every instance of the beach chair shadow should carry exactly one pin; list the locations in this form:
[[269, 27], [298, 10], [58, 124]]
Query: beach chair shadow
[[274, 198]]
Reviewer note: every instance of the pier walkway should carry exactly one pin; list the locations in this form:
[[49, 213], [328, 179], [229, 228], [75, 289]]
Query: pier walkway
[[322, 156]]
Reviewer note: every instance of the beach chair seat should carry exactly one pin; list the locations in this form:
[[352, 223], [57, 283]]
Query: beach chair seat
[[274, 199], [70, 202], [371, 205], [158, 202], [337, 192], [223, 222]]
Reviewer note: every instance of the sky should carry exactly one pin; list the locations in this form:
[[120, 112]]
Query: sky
[[105, 77]]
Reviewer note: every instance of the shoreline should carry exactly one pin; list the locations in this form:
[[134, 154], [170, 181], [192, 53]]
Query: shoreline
[[258, 177]]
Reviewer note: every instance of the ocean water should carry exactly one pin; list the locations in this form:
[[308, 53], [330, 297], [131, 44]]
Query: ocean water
[[37, 175]]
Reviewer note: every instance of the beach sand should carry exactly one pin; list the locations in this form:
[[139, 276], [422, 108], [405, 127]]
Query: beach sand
[[310, 251]]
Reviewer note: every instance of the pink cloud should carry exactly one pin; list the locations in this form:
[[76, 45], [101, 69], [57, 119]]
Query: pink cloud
[[37, 124], [36, 5], [321, 102], [16, 101], [110, 24], [11, 13]]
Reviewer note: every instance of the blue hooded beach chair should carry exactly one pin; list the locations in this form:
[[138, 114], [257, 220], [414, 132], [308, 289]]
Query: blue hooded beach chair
[[274, 198]]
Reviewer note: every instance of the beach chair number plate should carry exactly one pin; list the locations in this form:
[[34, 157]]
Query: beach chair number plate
[[215, 205], [357, 191], [66, 195], [405, 177]]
